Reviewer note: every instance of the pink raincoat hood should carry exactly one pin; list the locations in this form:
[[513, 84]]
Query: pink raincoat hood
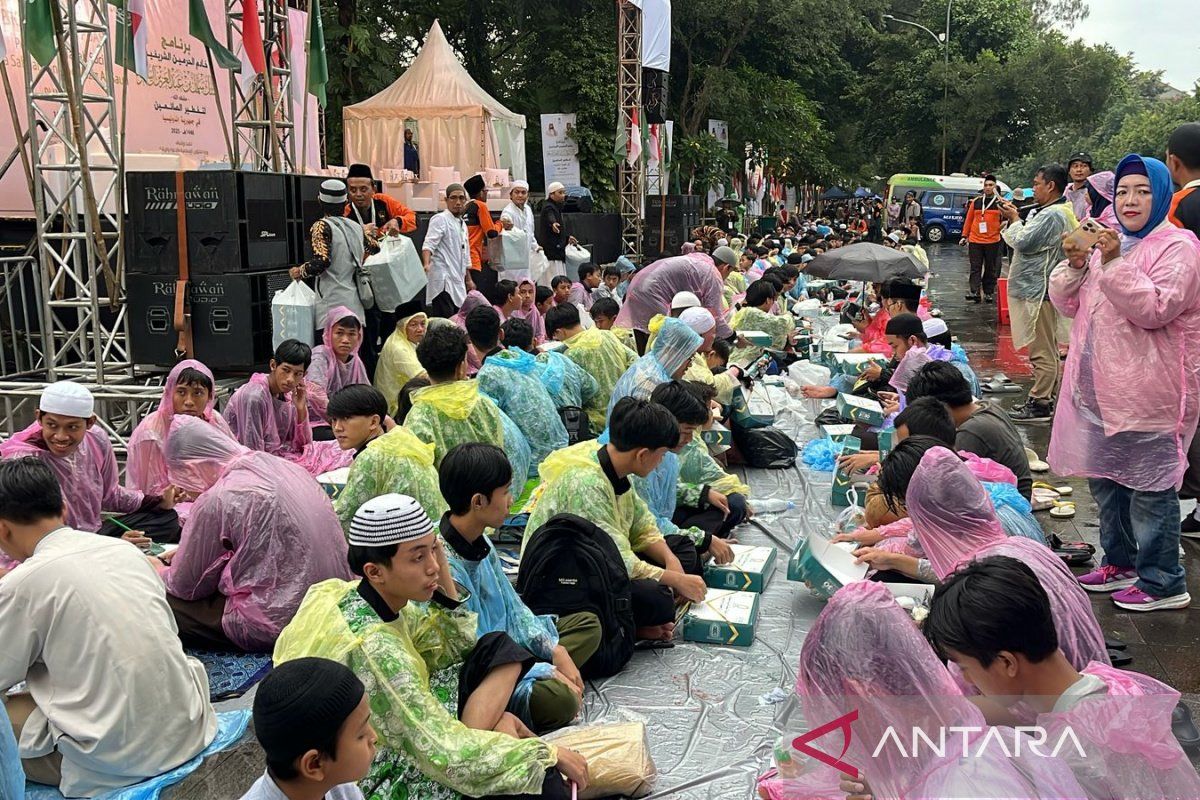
[[328, 373]]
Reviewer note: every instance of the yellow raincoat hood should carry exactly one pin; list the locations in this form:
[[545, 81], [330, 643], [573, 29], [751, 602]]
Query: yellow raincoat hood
[[456, 399]]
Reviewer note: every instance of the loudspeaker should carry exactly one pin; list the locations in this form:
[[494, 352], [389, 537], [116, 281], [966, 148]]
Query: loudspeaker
[[236, 221], [303, 210], [231, 318], [660, 247], [683, 210], [654, 95]]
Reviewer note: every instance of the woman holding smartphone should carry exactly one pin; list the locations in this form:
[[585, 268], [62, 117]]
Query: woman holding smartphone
[[1131, 392]]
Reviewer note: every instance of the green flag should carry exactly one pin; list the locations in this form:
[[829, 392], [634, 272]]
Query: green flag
[[199, 27], [38, 34], [621, 148], [318, 67]]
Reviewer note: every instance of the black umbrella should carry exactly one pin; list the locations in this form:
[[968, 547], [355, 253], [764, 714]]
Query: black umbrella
[[865, 261]]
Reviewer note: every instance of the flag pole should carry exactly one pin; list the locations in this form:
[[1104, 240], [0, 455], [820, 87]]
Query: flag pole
[[212, 74], [121, 150], [304, 111], [23, 136]]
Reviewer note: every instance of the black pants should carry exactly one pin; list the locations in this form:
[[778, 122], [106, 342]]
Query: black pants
[[380, 325], [322, 433], [653, 603], [985, 266], [161, 526], [199, 622], [442, 306], [711, 520], [554, 787]]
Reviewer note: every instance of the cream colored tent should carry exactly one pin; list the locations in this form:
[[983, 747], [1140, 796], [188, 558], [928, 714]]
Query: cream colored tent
[[458, 124]]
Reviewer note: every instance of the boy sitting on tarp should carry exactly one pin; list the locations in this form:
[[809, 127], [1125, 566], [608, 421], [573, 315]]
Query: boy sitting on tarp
[[406, 634], [663, 492], [453, 410], [67, 439], [755, 315], [593, 482], [476, 480], [270, 412]]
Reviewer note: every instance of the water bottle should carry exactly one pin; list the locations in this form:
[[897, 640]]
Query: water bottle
[[773, 506]]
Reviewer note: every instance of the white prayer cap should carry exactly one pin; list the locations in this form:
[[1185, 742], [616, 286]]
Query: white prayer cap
[[895, 237], [67, 398], [684, 300], [554, 187], [389, 519], [935, 326], [722, 242], [698, 319], [518, 184], [333, 191]]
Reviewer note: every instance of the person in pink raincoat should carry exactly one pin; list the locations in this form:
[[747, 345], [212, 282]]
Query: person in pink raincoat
[[865, 655], [475, 299], [68, 438], [261, 533], [954, 522], [189, 389], [527, 291], [993, 620], [1100, 188], [335, 364], [270, 412], [1131, 390], [652, 288]]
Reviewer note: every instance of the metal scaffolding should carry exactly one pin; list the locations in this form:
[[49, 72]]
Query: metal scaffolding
[[630, 179], [262, 112]]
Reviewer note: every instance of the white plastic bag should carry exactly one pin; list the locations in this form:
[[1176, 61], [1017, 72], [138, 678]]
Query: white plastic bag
[[577, 256], [539, 266], [396, 272], [293, 314], [807, 373], [509, 252]]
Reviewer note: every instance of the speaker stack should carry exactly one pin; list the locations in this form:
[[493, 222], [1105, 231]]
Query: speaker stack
[[682, 215], [243, 233]]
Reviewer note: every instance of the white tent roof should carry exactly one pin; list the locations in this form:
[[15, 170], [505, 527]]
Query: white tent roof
[[435, 85]]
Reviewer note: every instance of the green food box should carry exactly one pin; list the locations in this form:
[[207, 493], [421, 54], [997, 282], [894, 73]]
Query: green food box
[[838, 433], [824, 566], [750, 570], [887, 440], [333, 482], [717, 436], [860, 409], [853, 364], [723, 617], [752, 409], [759, 338], [842, 486]]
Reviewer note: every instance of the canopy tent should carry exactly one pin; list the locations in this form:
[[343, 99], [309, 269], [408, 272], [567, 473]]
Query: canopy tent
[[458, 124], [863, 191], [835, 193]]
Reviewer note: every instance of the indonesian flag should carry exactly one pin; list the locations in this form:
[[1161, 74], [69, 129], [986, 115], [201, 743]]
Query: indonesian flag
[[634, 153], [654, 157], [252, 41], [137, 24]]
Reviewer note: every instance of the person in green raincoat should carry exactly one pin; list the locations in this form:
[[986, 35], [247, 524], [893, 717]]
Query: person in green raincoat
[[396, 462], [755, 315], [453, 410], [598, 352], [509, 377], [404, 632]]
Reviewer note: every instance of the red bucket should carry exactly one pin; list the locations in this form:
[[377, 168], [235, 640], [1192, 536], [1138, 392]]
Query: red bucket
[[1002, 300]]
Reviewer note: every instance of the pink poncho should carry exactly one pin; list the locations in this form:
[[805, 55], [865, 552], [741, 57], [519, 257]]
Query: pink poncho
[[865, 654], [261, 533], [264, 422], [532, 316], [145, 466], [1130, 396], [327, 373], [955, 522], [653, 287], [1126, 738], [88, 477]]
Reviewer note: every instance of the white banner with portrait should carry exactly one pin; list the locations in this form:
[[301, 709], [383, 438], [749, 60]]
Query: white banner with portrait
[[560, 152]]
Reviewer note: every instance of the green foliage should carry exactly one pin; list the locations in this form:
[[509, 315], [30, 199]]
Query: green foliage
[[703, 162]]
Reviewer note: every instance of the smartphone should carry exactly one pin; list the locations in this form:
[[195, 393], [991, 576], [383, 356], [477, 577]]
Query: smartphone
[[1086, 235]]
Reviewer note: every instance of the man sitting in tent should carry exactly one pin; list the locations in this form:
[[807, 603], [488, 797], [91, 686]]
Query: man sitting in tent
[[376, 212]]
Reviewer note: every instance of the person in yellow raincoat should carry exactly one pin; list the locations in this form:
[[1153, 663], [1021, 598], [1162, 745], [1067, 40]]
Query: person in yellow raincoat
[[404, 632], [398, 362], [396, 462], [453, 410], [755, 315]]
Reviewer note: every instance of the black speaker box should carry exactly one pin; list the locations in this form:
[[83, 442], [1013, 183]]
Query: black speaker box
[[303, 210], [682, 210], [601, 231], [231, 318], [656, 246], [654, 95], [236, 221]]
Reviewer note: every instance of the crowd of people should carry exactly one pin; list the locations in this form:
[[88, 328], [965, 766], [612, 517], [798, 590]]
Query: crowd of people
[[406, 662]]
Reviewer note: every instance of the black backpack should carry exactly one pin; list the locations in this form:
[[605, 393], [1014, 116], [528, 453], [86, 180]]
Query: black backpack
[[571, 565], [576, 422]]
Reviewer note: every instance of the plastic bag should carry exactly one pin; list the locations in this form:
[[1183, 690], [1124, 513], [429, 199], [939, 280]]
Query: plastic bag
[[618, 758], [765, 448], [821, 454], [539, 268], [396, 273], [293, 314], [509, 252], [577, 256], [807, 373]]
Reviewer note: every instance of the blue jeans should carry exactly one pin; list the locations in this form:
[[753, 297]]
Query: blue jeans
[[1141, 530]]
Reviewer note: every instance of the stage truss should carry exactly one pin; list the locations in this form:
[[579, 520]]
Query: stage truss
[[630, 179], [262, 112]]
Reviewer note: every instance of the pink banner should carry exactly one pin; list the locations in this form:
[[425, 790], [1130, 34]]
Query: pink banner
[[173, 115]]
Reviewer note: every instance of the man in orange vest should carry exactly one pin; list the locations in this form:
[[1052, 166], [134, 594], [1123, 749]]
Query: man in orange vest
[[480, 228], [378, 213], [981, 234]]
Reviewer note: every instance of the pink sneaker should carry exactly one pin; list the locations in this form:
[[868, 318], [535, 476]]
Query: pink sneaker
[[1134, 599], [1108, 579]]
